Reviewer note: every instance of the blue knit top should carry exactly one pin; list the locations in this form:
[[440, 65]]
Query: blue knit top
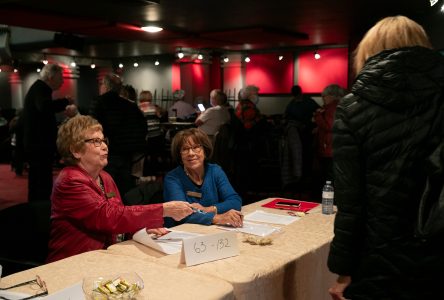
[[215, 190]]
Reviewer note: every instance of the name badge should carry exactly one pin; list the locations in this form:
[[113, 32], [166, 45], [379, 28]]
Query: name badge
[[110, 195], [194, 194]]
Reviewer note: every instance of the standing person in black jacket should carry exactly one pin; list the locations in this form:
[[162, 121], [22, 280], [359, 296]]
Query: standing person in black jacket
[[124, 125], [40, 130], [382, 134]]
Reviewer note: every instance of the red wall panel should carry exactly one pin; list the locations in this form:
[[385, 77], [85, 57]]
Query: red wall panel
[[271, 75], [315, 74]]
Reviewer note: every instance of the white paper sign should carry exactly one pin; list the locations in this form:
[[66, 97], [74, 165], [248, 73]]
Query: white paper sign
[[265, 217], [209, 247], [169, 243]]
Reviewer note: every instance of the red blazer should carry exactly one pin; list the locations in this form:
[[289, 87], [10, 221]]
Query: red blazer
[[324, 121], [83, 218]]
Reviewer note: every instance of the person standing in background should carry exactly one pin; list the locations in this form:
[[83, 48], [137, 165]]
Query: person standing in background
[[382, 134], [125, 127], [323, 118], [40, 130], [181, 109]]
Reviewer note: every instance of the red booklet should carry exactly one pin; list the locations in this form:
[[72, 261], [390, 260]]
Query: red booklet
[[289, 204]]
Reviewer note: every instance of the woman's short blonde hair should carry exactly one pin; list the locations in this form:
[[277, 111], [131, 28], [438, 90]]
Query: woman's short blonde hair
[[182, 137], [71, 136], [390, 33]]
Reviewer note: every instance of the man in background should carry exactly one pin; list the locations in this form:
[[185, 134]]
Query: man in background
[[40, 130], [211, 119], [124, 126]]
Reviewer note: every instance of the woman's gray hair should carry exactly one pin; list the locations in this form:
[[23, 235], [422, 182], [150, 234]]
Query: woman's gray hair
[[334, 90], [50, 70]]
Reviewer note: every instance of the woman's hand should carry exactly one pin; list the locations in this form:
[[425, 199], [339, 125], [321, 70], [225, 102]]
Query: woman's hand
[[177, 209], [337, 290], [232, 218], [157, 231]]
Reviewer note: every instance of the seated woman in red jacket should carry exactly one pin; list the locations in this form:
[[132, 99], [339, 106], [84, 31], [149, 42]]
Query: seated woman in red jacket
[[87, 212]]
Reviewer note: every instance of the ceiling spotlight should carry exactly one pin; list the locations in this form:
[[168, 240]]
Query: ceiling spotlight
[[151, 29], [93, 65], [120, 65], [317, 55], [226, 59], [15, 70], [433, 2], [73, 64], [180, 54], [156, 63], [199, 56], [280, 57], [247, 59], [135, 65], [38, 70], [45, 61]]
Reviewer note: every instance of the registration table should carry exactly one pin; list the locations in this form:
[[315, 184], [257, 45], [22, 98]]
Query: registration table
[[160, 282], [293, 267]]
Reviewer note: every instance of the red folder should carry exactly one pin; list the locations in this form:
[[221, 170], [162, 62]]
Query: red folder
[[289, 204]]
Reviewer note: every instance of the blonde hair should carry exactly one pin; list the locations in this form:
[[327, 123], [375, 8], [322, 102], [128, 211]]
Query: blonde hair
[[182, 137], [390, 33], [71, 136], [145, 95]]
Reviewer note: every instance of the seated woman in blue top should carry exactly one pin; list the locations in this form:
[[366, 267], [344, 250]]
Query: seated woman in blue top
[[204, 185]]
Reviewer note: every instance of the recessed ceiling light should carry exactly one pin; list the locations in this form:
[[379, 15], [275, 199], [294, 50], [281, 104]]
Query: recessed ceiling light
[[151, 29]]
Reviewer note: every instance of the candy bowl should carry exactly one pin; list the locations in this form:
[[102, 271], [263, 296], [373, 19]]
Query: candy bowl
[[110, 287]]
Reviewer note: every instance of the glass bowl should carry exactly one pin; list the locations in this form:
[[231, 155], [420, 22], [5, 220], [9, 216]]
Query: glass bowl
[[110, 287]]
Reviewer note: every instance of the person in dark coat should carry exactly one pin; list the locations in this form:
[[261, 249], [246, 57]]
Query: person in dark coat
[[125, 127], [383, 132], [40, 130]]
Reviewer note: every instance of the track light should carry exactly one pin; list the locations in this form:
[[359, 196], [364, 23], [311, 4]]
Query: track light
[[73, 64], [135, 65], [44, 60], [317, 55], [433, 2], [226, 59], [247, 59], [180, 53], [120, 65], [156, 63], [280, 57], [93, 65]]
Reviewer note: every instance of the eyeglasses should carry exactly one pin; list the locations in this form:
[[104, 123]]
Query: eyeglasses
[[97, 142], [197, 149], [36, 284]]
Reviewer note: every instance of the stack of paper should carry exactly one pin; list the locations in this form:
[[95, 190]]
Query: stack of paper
[[169, 243]]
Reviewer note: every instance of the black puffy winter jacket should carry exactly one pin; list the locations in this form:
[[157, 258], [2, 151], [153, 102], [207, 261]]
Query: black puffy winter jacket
[[382, 133]]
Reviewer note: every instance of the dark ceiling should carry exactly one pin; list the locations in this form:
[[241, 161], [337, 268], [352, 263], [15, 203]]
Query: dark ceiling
[[111, 28]]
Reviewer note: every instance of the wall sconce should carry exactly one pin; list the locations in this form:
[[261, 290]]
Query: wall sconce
[[317, 55]]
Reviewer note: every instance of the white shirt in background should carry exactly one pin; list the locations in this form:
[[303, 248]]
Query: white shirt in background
[[213, 118]]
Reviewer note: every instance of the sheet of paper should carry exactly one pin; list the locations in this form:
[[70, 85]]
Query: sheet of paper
[[74, 292], [265, 217], [14, 295], [170, 243], [253, 228]]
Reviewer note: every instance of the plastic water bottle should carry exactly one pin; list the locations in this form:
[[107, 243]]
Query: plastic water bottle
[[328, 193]]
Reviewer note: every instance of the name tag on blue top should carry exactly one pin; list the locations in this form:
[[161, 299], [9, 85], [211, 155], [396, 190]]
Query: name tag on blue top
[[194, 194]]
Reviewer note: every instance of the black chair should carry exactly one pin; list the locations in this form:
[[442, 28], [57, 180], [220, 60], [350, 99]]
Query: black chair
[[25, 236]]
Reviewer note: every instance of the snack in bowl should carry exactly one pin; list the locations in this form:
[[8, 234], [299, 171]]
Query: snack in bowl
[[121, 286]]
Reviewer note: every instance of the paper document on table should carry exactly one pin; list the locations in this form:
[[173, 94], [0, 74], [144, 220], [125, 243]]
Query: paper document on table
[[169, 243], [253, 228], [74, 292], [14, 295], [265, 217]]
